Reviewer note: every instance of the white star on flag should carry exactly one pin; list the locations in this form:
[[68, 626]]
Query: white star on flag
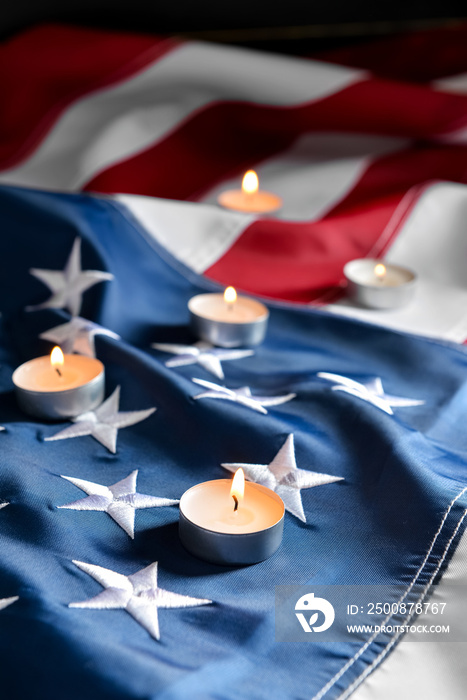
[[371, 391], [77, 336], [284, 477], [203, 354], [5, 602], [119, 500], [103, 423], [68, 285], [242, 396], [138, 594]]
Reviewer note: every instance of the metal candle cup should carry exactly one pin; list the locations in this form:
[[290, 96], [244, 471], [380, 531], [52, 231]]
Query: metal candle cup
[[212, 320], [393, 289], [208, 524], [43, 393]]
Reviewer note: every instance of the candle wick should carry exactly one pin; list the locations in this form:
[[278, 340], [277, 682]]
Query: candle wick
[[236, 503], [58, 371]]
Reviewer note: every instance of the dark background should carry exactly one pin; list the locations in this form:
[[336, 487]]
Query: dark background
[[290, 25]]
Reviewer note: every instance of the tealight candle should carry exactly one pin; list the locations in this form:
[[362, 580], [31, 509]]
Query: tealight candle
[[380, 286], [231, 522], [228, 320], [59, 386], [250, 198]]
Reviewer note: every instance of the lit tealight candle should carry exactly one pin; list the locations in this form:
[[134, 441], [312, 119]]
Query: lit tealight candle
[[380, 286], [228, 320], [59, 386], [250, 198], [231, 522]]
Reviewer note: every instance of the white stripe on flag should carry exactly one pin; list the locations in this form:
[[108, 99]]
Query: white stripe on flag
[[433, 243], [455, 83], [196, 234], [316, 173], [113, 123], [433, 239]]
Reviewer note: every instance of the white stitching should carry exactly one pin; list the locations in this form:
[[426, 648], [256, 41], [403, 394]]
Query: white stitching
[[403, 209], [379, 658], [351, 661]]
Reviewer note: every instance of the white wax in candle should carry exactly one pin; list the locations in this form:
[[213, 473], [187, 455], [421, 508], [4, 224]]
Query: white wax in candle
[[392, 278], [215, 308], [210, 505], [363, 272], [39, 375]]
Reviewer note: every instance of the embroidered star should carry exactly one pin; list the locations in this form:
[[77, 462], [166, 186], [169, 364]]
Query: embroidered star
[[68, 285], [119, 500], [5, 602], [103, 423], [202, 353], [371, 391], [77, 336], [284, 477], [138, 594], [242, 396]]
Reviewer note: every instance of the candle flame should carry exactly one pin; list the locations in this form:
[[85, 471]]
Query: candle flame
[[56, 358], [380, 271], [238, 487], [250, 183], [230, 295]]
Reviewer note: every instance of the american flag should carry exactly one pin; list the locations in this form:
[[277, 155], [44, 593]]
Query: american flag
[[113, 151]]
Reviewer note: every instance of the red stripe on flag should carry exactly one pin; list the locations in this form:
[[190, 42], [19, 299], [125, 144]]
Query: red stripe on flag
[[45, 69], [225, 138], [396, 173], [215, 142], [417, 56], [301, 262]]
